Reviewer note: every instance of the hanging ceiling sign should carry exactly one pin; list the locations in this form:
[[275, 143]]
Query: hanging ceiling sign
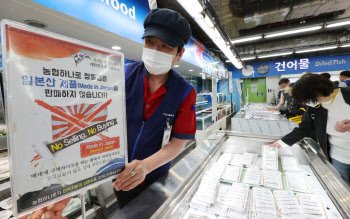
[[295, 66]]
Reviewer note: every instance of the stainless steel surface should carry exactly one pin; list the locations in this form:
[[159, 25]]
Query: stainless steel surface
[[333, 183], [104, 193], [312, 165], [3, 143], [148, 202]]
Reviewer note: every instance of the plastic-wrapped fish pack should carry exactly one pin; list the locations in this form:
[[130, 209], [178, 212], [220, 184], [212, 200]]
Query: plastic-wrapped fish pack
[[237, 196], [256, 163], [225, 158], [269, 158], [206, 193], [312, 206], [297, 182], [236, 160], [271, 179], [232, 173], [233, 213], [216, 170], [230, 197], [290, 164], [248, 159], [194, 213], [252, 175], [263, 205], [219, 207], [287, 205]]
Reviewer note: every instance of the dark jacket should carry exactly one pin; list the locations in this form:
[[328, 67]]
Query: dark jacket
[[294, 109], [314, 123]]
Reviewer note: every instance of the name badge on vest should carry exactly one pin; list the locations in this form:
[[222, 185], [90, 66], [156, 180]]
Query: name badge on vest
[[167, 133]]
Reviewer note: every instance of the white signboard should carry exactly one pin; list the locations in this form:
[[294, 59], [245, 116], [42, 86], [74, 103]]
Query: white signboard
[[230, 82], [65, 107], [214, 98], [254, 88]]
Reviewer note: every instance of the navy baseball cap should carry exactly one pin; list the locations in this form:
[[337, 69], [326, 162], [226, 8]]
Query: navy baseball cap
[[167, 25]]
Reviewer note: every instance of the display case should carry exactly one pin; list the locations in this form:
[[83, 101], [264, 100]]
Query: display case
[[204, 120], [327, 195], [221, 112], [261, 122], [264, 115], [203, 102], [220, 98], [228, 109]]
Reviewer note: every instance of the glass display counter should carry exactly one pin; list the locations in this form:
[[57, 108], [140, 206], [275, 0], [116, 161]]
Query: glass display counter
[[327, 192], [203, 102], [204, 120]]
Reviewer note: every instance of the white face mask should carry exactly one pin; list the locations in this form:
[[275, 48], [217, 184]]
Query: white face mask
[[312, 104], [157, 63]]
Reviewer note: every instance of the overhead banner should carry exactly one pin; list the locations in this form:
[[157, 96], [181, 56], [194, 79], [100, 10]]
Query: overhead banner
[[196, 54], [65, 107], [314, 64]]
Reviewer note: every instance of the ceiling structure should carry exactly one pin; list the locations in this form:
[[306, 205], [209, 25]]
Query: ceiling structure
[[242, 18]]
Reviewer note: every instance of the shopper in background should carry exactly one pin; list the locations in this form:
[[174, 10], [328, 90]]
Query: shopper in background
[[283, 84], [344, 78], [328, 116], [294, 109], [336, 84], [326, 75], [157, 98]]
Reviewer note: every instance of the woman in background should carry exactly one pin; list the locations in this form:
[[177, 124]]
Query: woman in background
[[328, 116]]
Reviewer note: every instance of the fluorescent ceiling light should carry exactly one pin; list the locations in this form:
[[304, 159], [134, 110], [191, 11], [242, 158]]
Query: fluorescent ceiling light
[[292, 31], [176, 66], [275, 54], [345, 45], [342, 23], [248, 58], [190, 70], [227, 60], [246, 39], [316, 49], [192, 7], [116, 47]]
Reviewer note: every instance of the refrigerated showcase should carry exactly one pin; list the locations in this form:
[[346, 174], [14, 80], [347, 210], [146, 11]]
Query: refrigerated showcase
[[324, 181]]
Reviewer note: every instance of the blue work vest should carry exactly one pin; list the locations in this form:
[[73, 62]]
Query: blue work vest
[[145, 137], [347, 82]]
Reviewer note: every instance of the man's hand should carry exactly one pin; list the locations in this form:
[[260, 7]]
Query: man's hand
[[343, 126], [276, 145], [271, 109], [125, 181], [53, 211]]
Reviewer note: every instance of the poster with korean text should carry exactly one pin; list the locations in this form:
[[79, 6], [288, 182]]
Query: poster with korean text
[[65, 107]]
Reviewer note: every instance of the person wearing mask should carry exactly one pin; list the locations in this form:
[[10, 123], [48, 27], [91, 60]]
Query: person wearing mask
[[328, 116], [344, 79], [283, 84], [157, 98], [294, 109]]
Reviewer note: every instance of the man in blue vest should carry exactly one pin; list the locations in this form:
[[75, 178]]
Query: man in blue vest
[[344, 78], [158, 102]]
